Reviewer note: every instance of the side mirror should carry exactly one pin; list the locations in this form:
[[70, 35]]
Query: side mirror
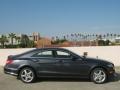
[[85, 54]]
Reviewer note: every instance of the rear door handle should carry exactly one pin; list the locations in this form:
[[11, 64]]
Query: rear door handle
[[60, 61]]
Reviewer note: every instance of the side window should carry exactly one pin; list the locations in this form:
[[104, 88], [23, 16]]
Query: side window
[[43, 54], [62, 54]]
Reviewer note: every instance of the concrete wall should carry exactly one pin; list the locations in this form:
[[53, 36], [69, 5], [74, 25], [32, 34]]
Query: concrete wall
[[110, 53], [4, 53]]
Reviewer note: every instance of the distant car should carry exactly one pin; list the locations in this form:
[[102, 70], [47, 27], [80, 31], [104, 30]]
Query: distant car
[[57, 62]]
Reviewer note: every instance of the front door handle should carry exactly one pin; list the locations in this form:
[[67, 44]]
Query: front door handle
[[34, 60]]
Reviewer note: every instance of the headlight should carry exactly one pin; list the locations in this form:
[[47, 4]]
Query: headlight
[[110, 65]]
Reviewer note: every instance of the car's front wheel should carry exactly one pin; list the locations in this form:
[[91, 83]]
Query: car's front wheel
[[99, 76], [27, 75]]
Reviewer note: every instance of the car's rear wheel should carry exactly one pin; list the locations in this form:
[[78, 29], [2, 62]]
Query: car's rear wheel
[[27, 75], [99, 76]]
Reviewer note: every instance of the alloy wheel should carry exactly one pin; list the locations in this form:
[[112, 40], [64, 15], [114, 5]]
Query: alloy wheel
[[99, 76], [27, 75]]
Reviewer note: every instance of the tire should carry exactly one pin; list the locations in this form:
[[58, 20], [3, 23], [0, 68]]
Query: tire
[[99, 76], [27, 75]]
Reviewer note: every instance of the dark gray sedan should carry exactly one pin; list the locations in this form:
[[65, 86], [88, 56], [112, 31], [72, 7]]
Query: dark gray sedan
[[57, 62]]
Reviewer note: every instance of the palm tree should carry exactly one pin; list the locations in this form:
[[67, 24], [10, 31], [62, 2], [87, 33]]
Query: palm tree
[[25, 42], [111, 35], [82, 37], [96, 36], [57, 38], [118, 35], [76, 36], [104, 36], [18, 39], [115, 35], [100, 37], [72, 36], [53, 38], [64, 37], [12, 35], [108, 35], [88, 37], [67, 36], [3, 40], [93, 36], [79, 36]]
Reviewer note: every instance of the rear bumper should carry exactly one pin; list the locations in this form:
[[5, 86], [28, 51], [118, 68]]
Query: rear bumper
[[11, 71]]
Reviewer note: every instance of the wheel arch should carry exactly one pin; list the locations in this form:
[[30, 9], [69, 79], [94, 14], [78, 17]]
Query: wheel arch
[[26, 66], [97, 67]]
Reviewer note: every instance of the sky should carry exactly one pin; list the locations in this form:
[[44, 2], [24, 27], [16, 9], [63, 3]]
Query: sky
[[59, 17]]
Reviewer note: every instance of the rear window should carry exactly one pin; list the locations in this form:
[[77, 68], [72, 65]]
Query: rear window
[[43, 54]]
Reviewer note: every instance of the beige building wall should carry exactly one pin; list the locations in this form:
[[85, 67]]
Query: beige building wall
[[110, 53]]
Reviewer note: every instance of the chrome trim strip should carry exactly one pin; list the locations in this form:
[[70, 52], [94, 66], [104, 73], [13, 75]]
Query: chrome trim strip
[[11, 73]]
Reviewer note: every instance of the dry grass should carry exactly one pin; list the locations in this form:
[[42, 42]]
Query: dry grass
[[117, 69]]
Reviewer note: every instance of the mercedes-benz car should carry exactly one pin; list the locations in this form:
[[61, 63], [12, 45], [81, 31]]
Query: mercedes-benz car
[[57, 62]]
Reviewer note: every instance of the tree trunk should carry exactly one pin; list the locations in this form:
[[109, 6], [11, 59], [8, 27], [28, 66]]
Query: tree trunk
[[12, 41]]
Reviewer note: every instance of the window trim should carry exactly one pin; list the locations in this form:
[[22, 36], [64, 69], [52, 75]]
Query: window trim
[[55, 51], [33, 56]]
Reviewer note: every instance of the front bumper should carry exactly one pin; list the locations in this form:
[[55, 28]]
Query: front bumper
[[111, 73]]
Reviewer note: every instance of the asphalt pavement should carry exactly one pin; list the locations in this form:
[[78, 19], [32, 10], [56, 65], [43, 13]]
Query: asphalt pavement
[[8, 82]]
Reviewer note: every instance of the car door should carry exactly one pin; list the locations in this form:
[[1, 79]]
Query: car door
[[71, 65], [48, 65]]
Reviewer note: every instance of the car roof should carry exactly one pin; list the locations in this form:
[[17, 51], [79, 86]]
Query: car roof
[[37, 49], [56, 48], [51, 48]]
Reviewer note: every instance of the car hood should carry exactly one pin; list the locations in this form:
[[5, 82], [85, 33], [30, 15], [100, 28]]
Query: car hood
[[95, 60]]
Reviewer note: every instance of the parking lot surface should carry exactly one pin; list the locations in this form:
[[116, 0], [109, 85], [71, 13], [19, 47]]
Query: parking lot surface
[[8, 82]]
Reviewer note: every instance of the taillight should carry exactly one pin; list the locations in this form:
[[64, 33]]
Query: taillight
[[9, 61]]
